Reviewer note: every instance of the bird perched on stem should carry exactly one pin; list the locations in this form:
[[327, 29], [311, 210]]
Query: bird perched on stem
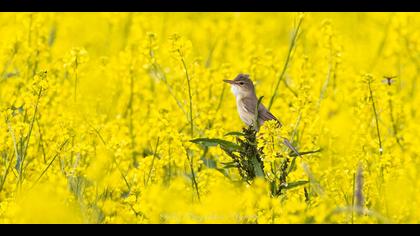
[[250, 109]]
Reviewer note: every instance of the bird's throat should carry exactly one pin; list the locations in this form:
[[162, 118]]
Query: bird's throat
[[235, 90]]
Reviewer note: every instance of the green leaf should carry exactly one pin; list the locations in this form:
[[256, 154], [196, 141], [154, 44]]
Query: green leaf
[[209, 142], [235, 134], [296, 184], [292, 165], [230, 153], [230, 166], [257, 167], [228, 163], [210, 163]]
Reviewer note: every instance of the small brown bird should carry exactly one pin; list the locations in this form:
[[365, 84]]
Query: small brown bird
[[246, 102]]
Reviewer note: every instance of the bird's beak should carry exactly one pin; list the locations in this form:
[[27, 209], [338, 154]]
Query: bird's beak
[[229, 81]]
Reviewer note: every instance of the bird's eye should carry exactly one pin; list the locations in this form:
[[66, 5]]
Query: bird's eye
[[241, 83]]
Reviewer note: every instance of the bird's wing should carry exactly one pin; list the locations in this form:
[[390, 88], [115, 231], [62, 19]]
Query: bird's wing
[[264, 114], [249, 104]]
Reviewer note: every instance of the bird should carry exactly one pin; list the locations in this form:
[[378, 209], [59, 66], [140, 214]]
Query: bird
[[246, 102]]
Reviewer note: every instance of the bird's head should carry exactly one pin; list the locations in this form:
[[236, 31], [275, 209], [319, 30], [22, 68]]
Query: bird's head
[[242, 85]]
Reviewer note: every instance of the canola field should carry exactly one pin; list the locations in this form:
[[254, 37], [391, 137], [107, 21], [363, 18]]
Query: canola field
[[100, 114]]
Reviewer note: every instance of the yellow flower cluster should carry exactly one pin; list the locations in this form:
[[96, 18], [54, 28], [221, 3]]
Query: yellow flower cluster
[[97, 111]]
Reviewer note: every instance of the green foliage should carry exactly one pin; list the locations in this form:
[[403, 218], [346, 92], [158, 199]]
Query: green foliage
[[247, 159]]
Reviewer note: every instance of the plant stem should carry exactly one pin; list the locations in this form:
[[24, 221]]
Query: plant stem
[[129, 112], [194, 180], [376, 118], [162, 77], [113, 157], [49, 164], [394, 125], [12, 133], [189, 93], [6, 173], [30, 128], [383, 41], [352, 199], [75, 80], [291, 47], [153, 161], [41, 140]]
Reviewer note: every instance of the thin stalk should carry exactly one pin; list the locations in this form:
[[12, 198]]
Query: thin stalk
[[158, 72], [382, 44], [290, 88], [153, 161], [113, 157], [194, 180], [286, 63], [6, 173], [219, 104], [295, 130], [12, 133], [331, 71], [49, 164], [8, 63], [394, 125], [130, 117], [127, 29], [313, 181], [359, 198], [209, 57], [162, 77], [30, 129], [40, 145], [75, 79], [31, 16], [353, 197], [376, 118], [189, 93]]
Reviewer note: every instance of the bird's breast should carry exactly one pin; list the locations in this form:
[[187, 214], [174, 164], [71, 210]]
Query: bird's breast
[[246, 116]]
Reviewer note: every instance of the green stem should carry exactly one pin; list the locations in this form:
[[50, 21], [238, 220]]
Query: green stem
[[153, 161], [376, 118], [113, 157], [291, 47], [194, 180], [394, 125], [49, 164], [189, 93], [12, 133], [6, 173], [352, 199], [129, 112], [75, 80], [158, 72], [31, 127]]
